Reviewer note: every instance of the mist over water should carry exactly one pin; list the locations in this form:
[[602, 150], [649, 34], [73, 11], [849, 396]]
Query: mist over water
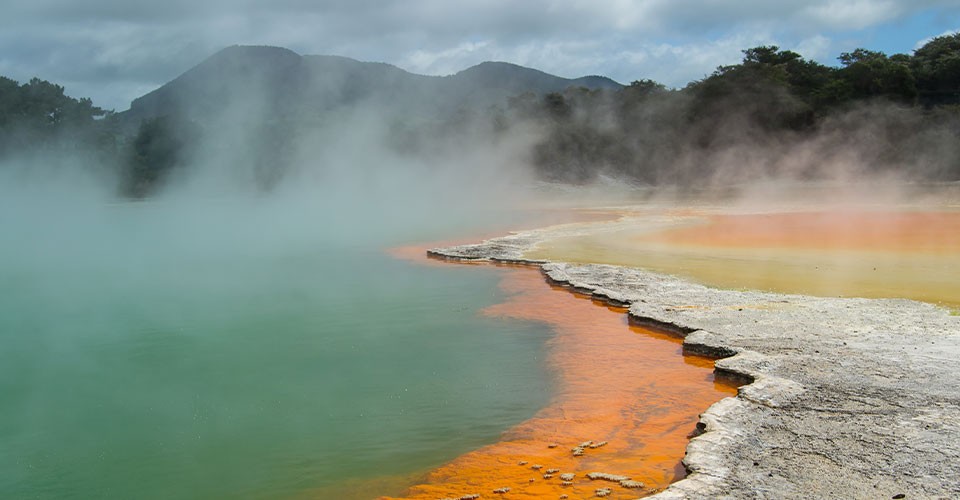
[[200, 345], [240, 331]]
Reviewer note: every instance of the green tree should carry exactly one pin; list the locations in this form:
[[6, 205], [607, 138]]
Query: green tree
[[937, 69], [556, 106], [641, 89], [868, 74], [161, 145], [39, 116]]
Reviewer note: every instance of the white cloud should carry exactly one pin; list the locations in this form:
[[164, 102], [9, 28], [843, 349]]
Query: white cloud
[[677, 65], [815, 48], [672, 64], [98, 41], [445, 61], [853, 14]]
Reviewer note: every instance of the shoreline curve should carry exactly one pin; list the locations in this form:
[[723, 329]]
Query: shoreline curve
[[845, 397]]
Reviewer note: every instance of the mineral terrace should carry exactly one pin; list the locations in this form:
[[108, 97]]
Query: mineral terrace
[[848, 398]]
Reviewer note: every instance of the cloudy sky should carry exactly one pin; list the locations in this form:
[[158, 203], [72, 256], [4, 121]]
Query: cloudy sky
[[116, 50]]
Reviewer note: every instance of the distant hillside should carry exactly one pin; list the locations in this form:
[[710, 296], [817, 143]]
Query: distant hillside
[[254, 116], [293, 85], [495, 81]]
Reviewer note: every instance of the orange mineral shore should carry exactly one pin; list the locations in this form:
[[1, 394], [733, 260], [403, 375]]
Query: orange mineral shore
[[626, 397], [849, 253], [914, 232]]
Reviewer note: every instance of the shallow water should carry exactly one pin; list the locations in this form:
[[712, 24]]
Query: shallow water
[[145, 356], [876, 253], [627, 387]]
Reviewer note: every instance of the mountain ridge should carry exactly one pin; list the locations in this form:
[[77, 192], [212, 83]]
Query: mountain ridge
[[293, 83]]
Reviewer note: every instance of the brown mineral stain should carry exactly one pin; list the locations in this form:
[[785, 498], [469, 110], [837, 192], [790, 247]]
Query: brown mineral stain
[[629, 386]]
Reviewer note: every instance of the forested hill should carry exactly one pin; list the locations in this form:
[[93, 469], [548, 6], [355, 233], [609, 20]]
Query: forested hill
[[38, 116], [775, 114]]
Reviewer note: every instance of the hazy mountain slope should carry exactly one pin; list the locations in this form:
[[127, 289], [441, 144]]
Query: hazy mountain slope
[[289, 84]]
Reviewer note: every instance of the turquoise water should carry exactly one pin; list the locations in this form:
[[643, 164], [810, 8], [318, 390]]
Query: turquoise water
[[150, 353]]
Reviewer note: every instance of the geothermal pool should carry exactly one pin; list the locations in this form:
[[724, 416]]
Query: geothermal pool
[[230, 350], [628, 391], [150, 354], [912, 254]]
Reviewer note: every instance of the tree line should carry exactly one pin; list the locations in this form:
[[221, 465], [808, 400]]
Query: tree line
[[40, 124], [37, 117], [775, 113]]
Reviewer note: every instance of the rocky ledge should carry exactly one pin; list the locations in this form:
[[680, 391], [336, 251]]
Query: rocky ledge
[[846, 398]]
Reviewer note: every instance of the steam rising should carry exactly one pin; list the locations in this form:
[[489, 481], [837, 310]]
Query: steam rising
[[262, 187], [378, 170]]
